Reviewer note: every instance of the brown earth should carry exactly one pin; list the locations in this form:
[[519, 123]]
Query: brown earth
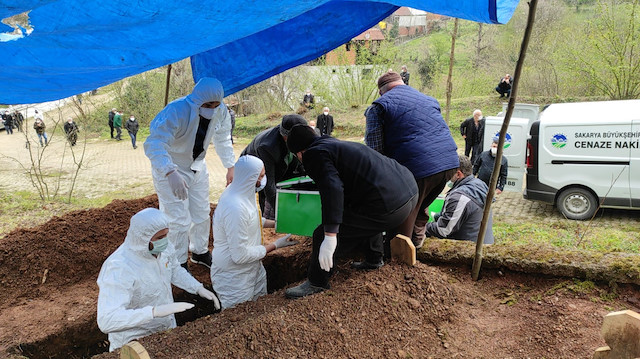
[[48, 299]]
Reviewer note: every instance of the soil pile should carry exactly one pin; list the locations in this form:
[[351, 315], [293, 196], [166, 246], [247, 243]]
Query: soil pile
[[375, 314]]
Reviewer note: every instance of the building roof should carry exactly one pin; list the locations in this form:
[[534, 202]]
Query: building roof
[[372, 34], [407, 11]]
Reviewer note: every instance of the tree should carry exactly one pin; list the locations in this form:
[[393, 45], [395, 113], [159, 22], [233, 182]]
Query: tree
[[609, 60], [454, 34]]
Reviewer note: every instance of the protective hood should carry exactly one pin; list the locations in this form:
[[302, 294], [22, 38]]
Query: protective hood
[[245, 175], [206, 90], [144, 225]]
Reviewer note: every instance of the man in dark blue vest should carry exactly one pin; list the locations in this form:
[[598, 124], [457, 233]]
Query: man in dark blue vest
[[407, 125]]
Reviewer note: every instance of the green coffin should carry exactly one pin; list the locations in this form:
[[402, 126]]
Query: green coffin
[[298, 207], [435, 207]]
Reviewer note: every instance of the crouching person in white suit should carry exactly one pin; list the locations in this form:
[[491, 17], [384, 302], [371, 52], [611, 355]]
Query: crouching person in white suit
[[237, 273], [135, 297]]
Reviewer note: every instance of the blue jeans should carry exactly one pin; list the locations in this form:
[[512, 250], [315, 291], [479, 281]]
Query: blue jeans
[[133, 139], [8, 129], [44, 134]]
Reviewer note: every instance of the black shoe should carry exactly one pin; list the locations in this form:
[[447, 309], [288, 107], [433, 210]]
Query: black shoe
[[185, 266], [366, 265], [134, 147], [303, 290], [204, 259]]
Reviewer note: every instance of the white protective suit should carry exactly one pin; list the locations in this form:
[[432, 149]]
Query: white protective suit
[[170, 146], [132, 281], [237, 273]]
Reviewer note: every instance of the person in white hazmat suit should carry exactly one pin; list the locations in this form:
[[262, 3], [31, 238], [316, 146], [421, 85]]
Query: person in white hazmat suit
[[237, 273], [176, 146], [135, 298]]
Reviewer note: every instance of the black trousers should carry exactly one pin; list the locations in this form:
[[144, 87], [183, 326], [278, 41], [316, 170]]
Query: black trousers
[[474, 149], [111, 126], [360, 230]]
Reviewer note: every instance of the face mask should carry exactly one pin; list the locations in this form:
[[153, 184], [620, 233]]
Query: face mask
[[494, 151], [207, 112], [159, 246], [263, 184], [132, 119], [326, 113]]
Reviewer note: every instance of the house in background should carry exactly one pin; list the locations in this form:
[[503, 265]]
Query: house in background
[[411, 22], [347, 53]]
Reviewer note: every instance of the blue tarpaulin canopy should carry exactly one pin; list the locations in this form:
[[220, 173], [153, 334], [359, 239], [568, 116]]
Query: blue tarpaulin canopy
[[75, 46]]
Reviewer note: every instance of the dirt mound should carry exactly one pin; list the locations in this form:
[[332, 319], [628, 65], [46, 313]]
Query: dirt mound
[[374, 314], [64, 251]]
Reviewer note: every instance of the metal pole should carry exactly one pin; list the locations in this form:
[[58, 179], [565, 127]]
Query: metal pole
[[166, 91], [477, 260]]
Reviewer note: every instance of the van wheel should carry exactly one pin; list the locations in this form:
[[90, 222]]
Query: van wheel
[[577, 203]]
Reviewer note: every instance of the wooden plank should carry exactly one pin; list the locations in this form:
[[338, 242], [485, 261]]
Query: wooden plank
[[133, 350], [403, 250]]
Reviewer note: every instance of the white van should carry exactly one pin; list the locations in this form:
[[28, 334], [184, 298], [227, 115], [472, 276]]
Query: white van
[[581, 156]]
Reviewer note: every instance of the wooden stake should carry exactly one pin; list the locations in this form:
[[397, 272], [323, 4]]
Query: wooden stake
[[166, 90], [403, 249], [133, 350], [477, 260]]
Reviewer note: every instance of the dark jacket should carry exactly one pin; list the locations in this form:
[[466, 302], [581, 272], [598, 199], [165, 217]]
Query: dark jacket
[[351, 176], [111, 114], [70, 128], [405, 77], [484, 167], [415, 133], [467, 127], [462, 212], [7, 119], [132, 126], [279, 164], [324, 124], [505, 85], [39, 127]]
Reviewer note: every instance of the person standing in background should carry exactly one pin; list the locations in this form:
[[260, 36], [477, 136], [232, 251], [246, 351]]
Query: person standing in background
[[117, 124], [132, 127], [405, 75], [325, 122], [472, 130], [112, 114]]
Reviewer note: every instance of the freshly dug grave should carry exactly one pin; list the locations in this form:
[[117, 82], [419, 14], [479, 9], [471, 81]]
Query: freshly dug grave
[[48, 290], [48, 300]]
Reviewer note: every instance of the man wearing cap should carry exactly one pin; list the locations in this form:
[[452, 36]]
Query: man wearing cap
[[406, 125], [177, 144], [270, 146], [363, 194]]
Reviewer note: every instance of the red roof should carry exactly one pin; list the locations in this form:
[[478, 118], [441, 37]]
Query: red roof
[[371, 34], [403, 11]]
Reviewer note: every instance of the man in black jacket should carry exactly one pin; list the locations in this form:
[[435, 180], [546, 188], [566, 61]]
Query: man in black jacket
[[363, 193], [71, 130], [325, 122], [472, 130], [279, 164], [504, 86], [483, 167], [112, 113]]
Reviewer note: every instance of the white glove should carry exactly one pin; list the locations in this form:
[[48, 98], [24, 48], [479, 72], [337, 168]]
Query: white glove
[[178, 185], [206, 294], [327, 248], [168, 309], [284, 242]]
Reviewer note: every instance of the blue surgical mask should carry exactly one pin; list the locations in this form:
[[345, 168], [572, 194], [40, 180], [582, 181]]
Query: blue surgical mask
[[159, 246], [207, 112], [263, 184]]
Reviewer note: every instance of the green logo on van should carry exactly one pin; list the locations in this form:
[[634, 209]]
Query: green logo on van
[[559, 140], [507, 139]]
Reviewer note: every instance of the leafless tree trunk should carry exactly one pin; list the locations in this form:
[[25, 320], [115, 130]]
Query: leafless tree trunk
[[454, 34], [479, 47]]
